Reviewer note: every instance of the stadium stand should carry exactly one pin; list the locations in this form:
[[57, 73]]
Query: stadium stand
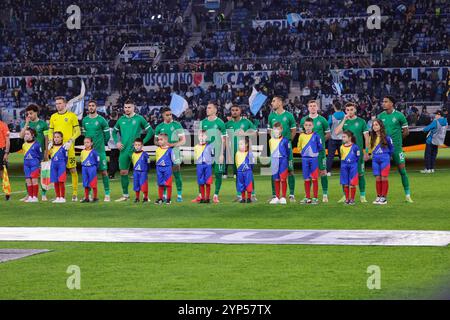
[[41, 58]]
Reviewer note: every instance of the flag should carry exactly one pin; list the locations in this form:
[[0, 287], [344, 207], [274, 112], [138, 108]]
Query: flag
[[76, 105], [6, 186], [256, 101], [293, 19], [178, 104], [337, 88], [45, 175]]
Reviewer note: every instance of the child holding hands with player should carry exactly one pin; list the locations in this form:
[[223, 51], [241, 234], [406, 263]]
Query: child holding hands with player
[[89, 164], [350, 154], [59, 157], [244, 164], [381, 148], [204, 159], [310, 145], [139, 159], [279, 151], [31, 164], [164, 162]]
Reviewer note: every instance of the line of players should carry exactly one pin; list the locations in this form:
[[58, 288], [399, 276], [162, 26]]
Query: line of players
[[58, 138]]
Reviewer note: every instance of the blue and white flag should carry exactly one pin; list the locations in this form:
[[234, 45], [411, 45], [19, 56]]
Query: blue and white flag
[[178, 104], [293, 19], [337, 88], [256, 101], [76, 105]]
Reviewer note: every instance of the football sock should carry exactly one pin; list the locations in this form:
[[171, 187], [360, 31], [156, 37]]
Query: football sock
[[362, 185], [385, 188], [308, 189], [35, 190], [291, 181], [283, 188], [253, 185], [352, 192], [105, 180], [277, 188], [30, 190], [62, 189], [273, 188], [57, 191], [202, 191], [379, 185], [405, 181], [218, 182], [160, 192], [74, 182], [208, 191], [315, 188], [324, 183], [178, 181], [124, 181], [346, 191], [169, 192]]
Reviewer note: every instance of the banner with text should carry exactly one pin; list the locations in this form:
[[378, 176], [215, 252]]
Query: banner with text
[[414, 73], [155, 80], [238, 79]]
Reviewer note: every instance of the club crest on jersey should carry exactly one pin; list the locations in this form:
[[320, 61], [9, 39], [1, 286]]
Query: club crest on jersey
[[394, 120], [284, 119], [133, 122], [96, 123], [172, 128], [66, 119]]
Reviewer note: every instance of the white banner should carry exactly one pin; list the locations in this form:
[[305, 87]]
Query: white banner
[[155, 80]]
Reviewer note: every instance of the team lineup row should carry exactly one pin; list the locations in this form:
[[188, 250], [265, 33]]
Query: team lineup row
[[348, 131]]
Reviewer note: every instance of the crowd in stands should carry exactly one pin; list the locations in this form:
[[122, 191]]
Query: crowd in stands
[[34, 40], [36, 33]]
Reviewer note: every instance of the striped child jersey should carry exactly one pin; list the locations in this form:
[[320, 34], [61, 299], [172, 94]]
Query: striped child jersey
[[379, 149], [140, 161], [310, 145], [204, 153], [89, 158], [32, 153], [350, 153]]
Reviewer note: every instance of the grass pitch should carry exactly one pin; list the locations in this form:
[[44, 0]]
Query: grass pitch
[[209, 271]]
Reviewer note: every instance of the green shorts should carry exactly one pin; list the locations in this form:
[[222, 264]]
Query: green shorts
[[103, 162], [322, 160], [177, 156], [125, 159], [398, 156], [219, 168]]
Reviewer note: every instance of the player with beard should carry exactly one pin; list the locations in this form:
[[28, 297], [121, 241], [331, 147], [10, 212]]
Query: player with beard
[[96, 127]]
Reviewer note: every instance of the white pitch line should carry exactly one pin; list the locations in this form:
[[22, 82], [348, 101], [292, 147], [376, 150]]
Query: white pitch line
[[229, 236]]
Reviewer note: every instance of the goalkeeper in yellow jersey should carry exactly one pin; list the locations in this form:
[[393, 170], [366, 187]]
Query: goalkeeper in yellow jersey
[[66, 122]]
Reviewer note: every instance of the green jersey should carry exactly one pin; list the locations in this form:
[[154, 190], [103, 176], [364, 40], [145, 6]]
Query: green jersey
[[98, 129], [394, 123], [358, 127], [216, 124], [131, 128], [242, 124], [286, 119], [174, 130], [41, 128], [321, 126]]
